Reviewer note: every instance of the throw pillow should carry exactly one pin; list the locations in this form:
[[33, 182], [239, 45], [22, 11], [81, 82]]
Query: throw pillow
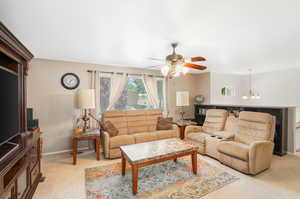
[[109, 128], [164, 123]]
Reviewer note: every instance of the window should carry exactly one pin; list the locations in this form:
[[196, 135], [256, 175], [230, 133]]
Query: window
[[133, 97]]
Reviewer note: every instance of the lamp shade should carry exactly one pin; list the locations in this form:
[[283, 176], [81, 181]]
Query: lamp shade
[[182, 98], [85, 99]]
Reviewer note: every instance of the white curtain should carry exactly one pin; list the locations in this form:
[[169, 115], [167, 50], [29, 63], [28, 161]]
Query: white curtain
[[95, 84], [166, 96], [151, 89], [118, 82]]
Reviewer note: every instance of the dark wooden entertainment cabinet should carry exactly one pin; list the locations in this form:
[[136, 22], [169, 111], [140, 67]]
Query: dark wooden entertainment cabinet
[[20, 170]]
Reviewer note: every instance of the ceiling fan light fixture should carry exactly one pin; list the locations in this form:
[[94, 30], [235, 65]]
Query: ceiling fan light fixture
[[177, 65], [188, 60], [184, 70], [176, 74], [252, 94], [165, 70]]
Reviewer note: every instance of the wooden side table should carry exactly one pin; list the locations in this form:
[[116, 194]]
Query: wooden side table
[[182, 124], [92, 135]]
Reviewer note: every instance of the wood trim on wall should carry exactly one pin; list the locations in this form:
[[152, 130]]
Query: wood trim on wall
[[16, 50], [8, 38]]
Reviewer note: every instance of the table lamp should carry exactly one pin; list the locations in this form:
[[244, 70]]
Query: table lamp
[[85, 99], [182, 99]]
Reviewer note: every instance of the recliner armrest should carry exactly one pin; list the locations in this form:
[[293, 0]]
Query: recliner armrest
[[192, 128], [260, 156]]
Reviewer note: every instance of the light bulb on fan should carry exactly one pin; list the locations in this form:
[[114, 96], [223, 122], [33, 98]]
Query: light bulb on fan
[[184, 70], [165, 70]]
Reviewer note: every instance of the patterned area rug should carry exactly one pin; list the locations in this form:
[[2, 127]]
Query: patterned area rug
[[166, 180]]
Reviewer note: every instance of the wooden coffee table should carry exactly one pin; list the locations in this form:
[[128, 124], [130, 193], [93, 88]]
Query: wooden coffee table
[[144, 154]]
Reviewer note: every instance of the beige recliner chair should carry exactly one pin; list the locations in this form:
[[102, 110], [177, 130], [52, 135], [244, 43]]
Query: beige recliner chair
[[250, 151], [214, 122]]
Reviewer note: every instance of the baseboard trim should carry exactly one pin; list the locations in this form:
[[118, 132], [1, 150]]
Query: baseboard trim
[[64, 151], [67, 151], [290, 153]]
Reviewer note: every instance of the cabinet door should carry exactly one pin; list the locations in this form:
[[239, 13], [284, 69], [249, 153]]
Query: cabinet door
[[8, 194], [33, 159], [22, 183]]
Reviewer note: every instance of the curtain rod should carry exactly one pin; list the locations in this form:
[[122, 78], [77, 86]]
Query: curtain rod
[[134, 74]]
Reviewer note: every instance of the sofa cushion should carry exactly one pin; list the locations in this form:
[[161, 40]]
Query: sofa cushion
[[117, 117], [198, 137], [144, 137], [215, 120], [151, 118], [164, 134], [109, 128], [254, 126], [164, 123], [117, 141], [234, 149], [136, 121]]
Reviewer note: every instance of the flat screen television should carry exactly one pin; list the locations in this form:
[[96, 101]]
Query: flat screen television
[[9, 106]]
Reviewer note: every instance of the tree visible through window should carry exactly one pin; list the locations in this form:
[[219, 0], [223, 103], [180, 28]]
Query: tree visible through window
[[133, 97]]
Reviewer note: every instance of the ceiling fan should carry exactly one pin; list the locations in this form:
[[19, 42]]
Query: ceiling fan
[[177, 64]]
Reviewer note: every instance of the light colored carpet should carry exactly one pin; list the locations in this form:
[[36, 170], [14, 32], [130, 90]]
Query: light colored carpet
[[166, 180]]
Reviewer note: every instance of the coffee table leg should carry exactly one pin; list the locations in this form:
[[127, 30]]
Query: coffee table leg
[[97, 147], [194, 162], [123, 164], [135, 174]]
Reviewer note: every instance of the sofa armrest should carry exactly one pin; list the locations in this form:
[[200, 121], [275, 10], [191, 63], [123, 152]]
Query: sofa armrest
[[225, 135], [176, 129], [106, 142], [192, 128], [260, 156]]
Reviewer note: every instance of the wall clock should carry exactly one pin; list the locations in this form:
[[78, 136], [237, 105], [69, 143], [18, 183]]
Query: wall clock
[[70, 81]]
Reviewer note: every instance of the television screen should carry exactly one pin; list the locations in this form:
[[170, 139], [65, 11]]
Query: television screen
[[9, 108]]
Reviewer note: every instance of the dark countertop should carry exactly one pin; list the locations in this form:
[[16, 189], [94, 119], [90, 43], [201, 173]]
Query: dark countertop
[[259, 106]]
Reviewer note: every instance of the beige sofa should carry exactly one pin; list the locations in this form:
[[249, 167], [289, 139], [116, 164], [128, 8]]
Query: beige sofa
[[134, 127], [244, 143]]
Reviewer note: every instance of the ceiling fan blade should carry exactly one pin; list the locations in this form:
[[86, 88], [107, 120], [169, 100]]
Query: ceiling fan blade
[[194, 66], [194, 59], [198, 59]]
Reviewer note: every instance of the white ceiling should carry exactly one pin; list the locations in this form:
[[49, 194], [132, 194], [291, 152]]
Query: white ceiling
[[233, 35]]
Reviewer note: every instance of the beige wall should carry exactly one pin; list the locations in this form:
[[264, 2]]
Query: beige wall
[[182, 83], [196, 84], [203, 86], [53, 105]]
